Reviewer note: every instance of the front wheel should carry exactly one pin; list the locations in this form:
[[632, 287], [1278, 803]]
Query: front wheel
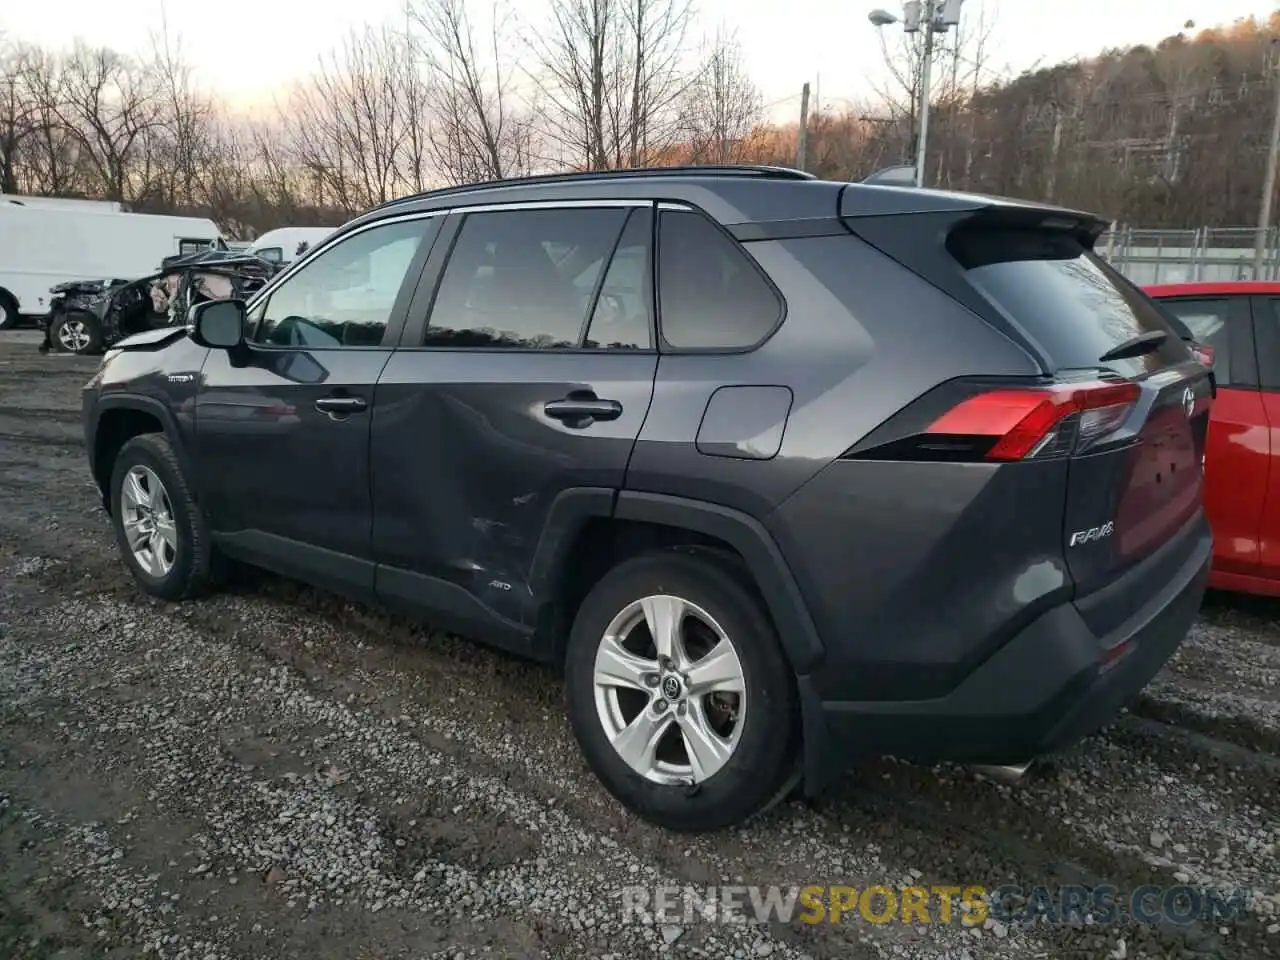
[[158, 524], [679, 694], [8, 313], [77, 332]]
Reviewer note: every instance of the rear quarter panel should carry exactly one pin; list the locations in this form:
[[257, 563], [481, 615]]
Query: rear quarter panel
[[863, 337]]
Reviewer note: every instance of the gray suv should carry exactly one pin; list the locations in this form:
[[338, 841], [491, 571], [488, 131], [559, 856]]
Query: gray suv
[[781, 471]]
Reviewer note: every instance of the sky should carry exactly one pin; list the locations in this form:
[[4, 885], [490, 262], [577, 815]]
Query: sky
[[251, 50]]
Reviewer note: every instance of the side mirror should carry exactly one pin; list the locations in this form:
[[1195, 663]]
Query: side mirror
[[218, 323]]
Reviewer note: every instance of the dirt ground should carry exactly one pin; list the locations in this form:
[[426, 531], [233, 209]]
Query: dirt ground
[[276, 773]]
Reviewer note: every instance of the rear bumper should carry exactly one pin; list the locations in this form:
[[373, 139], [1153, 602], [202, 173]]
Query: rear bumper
[[1053, 683]]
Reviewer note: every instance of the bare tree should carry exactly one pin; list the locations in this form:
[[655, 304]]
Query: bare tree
[[48, 153], [108, 103], [722, 106], [614, 75], [17, 113], [480, 131], [350, 125], [186, 118]]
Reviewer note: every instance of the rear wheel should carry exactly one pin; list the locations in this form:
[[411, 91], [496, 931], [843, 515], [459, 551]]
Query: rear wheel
[[8, 312], [78, 332], [679, 694]]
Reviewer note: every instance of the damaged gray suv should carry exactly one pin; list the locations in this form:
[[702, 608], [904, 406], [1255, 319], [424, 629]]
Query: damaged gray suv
[[782, 471]]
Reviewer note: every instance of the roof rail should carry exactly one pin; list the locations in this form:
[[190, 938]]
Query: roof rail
[[573, 176]]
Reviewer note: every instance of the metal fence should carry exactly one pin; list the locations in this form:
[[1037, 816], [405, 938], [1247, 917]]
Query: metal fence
[[1178, 256]]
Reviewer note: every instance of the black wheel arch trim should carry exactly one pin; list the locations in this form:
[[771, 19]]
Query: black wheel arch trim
[[797, 633], [140, 404], [572, 509], [796, 629]]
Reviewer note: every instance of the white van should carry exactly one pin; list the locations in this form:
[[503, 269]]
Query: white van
[[111, 206], [286, 244], [45, 245]]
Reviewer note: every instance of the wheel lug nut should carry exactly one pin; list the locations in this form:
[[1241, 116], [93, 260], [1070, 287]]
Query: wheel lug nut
[[660, 705], [682, 709], [651, 679]]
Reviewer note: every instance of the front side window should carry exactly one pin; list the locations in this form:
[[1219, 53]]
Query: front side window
[[344, 297], [524, 279], [711, 295]]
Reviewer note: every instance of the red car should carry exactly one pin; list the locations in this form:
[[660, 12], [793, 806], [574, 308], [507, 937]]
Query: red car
[[1239, 324]]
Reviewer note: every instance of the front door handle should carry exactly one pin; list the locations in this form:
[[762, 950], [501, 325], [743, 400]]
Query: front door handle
[[341, 406], [581, 411]]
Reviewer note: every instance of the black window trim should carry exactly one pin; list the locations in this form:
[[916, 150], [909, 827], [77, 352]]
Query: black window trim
[[744, 248], [428, 286], [1243, 343], [400, 305]]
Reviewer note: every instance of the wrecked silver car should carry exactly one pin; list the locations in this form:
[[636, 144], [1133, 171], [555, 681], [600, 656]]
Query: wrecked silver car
[[87, 316]]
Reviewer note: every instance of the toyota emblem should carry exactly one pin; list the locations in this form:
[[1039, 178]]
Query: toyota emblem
[[1189, 401], [671, 688]]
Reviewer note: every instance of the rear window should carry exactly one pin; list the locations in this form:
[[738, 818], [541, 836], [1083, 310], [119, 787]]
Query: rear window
[[1064, 297]]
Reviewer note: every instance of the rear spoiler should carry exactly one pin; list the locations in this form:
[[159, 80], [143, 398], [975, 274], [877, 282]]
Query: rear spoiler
[[976, 209]]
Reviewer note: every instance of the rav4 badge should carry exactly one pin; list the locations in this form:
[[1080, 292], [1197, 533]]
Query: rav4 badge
[[1093, 533]]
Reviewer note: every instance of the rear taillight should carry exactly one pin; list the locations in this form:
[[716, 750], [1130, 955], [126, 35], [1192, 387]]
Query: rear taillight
[[1027, 423]]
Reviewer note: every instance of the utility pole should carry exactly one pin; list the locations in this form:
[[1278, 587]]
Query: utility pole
[[922, 144], [802, 141], [1269, 180], [931, 16]]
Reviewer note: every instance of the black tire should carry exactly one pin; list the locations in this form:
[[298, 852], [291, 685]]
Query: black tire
[[8, 312], [766, 760], [193, 570], [92, 329]]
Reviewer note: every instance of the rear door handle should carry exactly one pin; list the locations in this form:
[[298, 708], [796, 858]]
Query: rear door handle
[[341, 405], [580, 411]]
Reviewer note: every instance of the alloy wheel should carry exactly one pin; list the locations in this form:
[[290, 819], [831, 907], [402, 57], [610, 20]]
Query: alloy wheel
[[73, 335], [147, 516], [670, 692]]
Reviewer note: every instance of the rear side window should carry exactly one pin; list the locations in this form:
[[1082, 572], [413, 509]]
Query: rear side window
[[1064, 297], [524, 279], [1206, 321], [621, 319], [712, 296]]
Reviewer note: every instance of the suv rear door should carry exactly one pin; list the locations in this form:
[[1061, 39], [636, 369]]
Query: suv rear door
[[522, 388], [1238, 448]]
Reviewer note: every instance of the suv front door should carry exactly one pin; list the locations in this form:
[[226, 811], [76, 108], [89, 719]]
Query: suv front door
[[282, 426], [525, 390]]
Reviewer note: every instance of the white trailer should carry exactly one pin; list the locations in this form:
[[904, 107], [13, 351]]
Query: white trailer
[[41, 246], [286, 244]]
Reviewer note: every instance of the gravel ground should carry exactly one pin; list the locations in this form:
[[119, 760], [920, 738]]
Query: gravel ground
[[273, 772]]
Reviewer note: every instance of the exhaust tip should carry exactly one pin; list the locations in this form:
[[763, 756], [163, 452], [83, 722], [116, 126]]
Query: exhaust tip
[[1007, 773]]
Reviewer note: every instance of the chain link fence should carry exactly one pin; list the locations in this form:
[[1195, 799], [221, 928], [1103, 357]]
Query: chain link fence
[[1180, 256]]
